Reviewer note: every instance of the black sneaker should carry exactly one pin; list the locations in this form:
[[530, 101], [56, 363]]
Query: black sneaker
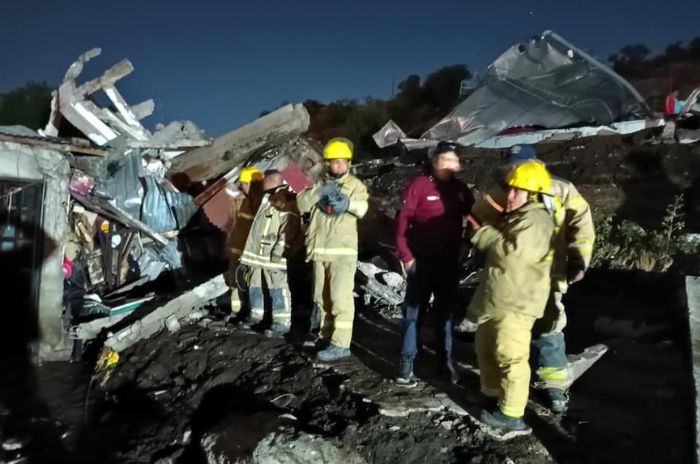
[[406, 379], [504, 427], [333, 353]]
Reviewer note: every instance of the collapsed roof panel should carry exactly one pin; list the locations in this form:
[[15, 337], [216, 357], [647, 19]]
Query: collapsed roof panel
[[544, 83]]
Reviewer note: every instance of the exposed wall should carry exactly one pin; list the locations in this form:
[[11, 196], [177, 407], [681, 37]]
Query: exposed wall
[[30, 163]]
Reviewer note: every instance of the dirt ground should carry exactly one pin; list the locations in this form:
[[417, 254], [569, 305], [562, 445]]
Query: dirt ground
[[211, 391]]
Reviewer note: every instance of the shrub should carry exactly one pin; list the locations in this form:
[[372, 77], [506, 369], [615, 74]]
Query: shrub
[[626, 245]]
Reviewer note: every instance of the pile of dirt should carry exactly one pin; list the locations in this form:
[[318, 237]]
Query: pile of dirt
[[219, 391]]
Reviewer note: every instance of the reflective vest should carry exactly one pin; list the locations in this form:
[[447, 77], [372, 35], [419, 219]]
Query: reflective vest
[[333, 237], [241, 216], [274, 231]]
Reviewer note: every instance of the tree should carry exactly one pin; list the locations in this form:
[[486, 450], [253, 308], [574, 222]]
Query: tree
[[29, 105], [694, 48], [442, 87]]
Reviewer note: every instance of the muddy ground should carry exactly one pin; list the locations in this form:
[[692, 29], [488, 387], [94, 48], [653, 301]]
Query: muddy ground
[[171, 394], [214, 393]]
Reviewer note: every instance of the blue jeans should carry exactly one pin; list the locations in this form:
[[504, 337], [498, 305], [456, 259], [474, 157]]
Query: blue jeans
[[438, 276]]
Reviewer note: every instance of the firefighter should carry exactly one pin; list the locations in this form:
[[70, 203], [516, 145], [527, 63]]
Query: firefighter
[[272, 238], [428, 239], [573, 248], [241, 215], [335, 204], [512, 294]]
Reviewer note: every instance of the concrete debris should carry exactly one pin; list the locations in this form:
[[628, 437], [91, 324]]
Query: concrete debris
[[102, 125], [580, 363], [302, 448], [234, 148], [179, 308], [384, 286], [127, 223]]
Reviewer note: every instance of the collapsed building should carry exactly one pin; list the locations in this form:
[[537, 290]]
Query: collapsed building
[[123, 207], [116, 200]]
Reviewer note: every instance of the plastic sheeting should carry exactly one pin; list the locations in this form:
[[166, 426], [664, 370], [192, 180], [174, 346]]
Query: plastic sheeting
[[545, 83]]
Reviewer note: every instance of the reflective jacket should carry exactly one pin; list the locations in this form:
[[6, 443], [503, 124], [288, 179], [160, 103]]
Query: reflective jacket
[[333, 237], [274, 231], [241, 216], [516, 276], [574, 227]]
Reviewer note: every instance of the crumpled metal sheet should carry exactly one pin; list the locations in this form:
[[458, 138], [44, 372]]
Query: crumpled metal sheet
[[118, 178], [388, 135], [544, 83], [182, 206], [155, 211]]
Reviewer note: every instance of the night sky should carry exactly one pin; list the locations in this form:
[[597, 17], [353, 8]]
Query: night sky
[[221, 63]]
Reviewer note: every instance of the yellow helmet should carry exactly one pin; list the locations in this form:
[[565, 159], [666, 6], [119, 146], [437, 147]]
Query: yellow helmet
[[250, 174], [532, 176], [338, 148]]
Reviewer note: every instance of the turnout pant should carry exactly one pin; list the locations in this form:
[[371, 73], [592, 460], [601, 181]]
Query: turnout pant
[[431, 276], [238, 281], [271, 285], [549, 345], [503, 349], [333, 295]]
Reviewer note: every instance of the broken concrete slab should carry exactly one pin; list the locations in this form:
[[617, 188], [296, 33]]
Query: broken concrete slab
[[235, 147], [386, 286], [178, 308], [692, 289], [580, 363]]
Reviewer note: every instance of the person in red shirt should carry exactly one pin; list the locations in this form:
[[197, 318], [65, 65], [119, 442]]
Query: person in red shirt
[[428, 238], [673, 105]]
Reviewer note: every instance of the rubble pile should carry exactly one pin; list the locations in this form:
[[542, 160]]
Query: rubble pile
[[144, 214], [211, 393], [145, 204]]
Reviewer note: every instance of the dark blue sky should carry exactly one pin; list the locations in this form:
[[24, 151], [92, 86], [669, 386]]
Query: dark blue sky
[[220, 63]]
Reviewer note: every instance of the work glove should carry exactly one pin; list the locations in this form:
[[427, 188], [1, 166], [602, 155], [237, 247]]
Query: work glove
[[339, 204], [325, 194]]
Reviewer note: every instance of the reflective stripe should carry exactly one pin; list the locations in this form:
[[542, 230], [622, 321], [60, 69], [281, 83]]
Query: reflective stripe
[[263, 261], [553, 373], [235, 303], [489, 199], [335, 251], [342, 325], [511, 410], [246, 216]]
